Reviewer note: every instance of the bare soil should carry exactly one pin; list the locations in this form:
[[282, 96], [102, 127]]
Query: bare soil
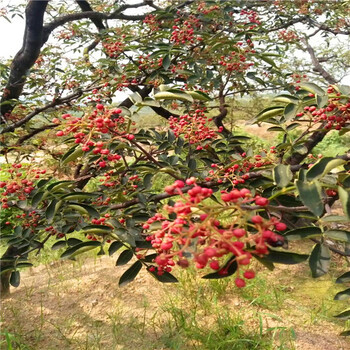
[[79, 306]]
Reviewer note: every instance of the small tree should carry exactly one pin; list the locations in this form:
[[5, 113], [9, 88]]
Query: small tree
[[222, 204]]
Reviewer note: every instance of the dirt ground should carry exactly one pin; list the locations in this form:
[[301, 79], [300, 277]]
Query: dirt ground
[[79, 306]]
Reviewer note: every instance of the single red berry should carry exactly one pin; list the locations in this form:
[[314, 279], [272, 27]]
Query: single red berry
[[249, 274], [240, 283], [280, 226]]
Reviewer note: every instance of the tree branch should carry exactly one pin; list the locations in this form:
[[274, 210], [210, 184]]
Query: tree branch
[[26, 56], [317, 65]]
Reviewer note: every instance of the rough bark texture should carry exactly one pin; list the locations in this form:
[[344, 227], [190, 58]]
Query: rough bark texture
[[27, 55]]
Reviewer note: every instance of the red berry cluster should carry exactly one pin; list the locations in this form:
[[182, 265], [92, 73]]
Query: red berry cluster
[[184, 31], [109, 180], [236, 60], [20, 184], [204, 9], [114, 47], [252, 17], [288, 35], [145, 62], [194, 127], [152, 22], [236, 172], [88, 129], [336, 115], [208, 233]]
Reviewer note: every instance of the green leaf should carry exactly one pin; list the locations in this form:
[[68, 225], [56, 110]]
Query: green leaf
[[310, 195], [282, 175], [80, 248], [344, 197], [114, 247], [303, 232], [269, 113], [166, 95], [345, 315], [313, 88], [338, 235], [290, 111], [166, 277], [343, 295], [124, 257], [52, 209], [130, 274], [199, 95], [320, 260], [37, 198], [228, 269], [265, 262], [166, 61], [345, 333], [71, 156], [322, 167], [288, 258], [59, 245], [15, 279], [92, 212], [321, 100], [344, 278]]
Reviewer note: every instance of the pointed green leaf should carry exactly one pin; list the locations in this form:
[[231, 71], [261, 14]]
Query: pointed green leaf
[[288, 258], [282, 175], [322, 167], [166, 61], [303, 232], [344, 278], [320, 260], [15, 279], [313, 88], [59, 245], [114, 247], [338, 235], [310, 195], [345, 315], [124, 257], [80, 248], [130, 274], [290, 111], [343, 295], [165, 277], [265, 262]]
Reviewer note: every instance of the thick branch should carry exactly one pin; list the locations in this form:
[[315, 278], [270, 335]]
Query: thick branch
[[85, 6], [317, 65], [27, 55], [313, 140]]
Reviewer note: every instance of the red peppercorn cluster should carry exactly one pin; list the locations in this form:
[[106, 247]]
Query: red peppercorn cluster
[[112, 179], [184, 30], [88, 129], [113, 47], [194, 127], [336, 115], [237, 59], [237, 170], [207, 233], [204, 9], [252, 17], [287, 35], [20, 184], [146, 62], [152, 22]]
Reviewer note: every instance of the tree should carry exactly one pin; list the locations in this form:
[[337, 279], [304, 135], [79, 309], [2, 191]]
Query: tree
[[224, 204]]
